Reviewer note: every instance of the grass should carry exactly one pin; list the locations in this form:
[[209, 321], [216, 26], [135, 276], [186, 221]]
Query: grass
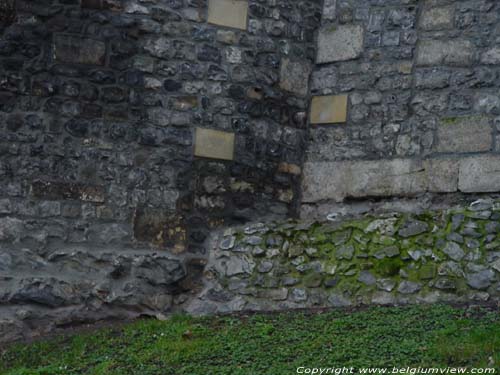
[[274, 344]]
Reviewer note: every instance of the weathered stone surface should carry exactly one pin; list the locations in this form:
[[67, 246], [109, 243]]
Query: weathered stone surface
[[491, 56], [338, 180], [437, 18], [294, 76], [479, 174], [413, 227], [214, 144], [464, 134], [339, 43], [329, 109], [79, 50], [408, 287], [454, 251], [442, 175], [230, 13], [480, 280], [452, 52]]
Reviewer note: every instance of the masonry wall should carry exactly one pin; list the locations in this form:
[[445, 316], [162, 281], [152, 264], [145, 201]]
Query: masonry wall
[[129, 131], [405, 101]]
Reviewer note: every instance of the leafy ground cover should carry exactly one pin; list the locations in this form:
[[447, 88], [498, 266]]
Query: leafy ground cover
[[274, 344]]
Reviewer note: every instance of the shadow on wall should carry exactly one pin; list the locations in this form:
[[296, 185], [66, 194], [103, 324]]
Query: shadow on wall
[[7, 13]]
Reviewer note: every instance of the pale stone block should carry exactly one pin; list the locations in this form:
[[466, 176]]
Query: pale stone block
[[294, 76], [79, 50], [330, 109], [230, 13], [364, 178], [479, 174], [339, 43], [449, 52], [214, 144], [464, 134], [437, 18], [442, 175], [329, 9]]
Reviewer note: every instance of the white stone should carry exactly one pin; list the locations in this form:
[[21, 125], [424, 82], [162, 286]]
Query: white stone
[[449, 52], [339, 43]]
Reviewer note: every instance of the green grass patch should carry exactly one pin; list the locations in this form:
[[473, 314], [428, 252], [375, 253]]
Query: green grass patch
[[274, 344]]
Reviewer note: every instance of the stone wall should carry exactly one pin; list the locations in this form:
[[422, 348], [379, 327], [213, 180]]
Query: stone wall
[[129, 130], [132, 129], [405, 101], [438, 256]]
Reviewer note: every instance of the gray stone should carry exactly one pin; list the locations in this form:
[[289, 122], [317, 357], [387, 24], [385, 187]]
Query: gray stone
[[238, 265], [491, 56], [437, 18], [227, 243], [412, 228], [337, 300], [454, 251], [329, 8], [338, 180], [451, 52], [294, 76], [79, 50], [479, 174], [445, 284], [298, 295], [367, 278], [253, 240], [383, 298], [11, 229], [345, 252], [480, 280], [280, 294], [409, 287], [495, 265], [265, 266], [386, 285], [339, 43], [464, 134], [290, 281]]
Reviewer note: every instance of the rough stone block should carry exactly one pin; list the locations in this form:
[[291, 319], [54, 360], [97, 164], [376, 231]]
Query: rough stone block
[[464, 134], [339, 43], [437, 18], [214, 144], [79, 50], [331, 109], [329, 9], [479, 174], [230, 13], [54, 190], [442, 175], [491, 56], [339, 180], [450, 52], [294, 76]]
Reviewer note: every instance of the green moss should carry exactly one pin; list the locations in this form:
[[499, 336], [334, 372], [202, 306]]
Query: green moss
[[388, 266]]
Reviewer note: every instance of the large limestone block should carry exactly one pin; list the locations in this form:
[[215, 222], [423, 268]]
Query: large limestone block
[[455, 52], [383, 178], [339, 43], [79, 50], [294, 76], [230, 13], [330, 109], [437, 18], [442, 175], [214, 144], [479, 174], [464, 134]]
